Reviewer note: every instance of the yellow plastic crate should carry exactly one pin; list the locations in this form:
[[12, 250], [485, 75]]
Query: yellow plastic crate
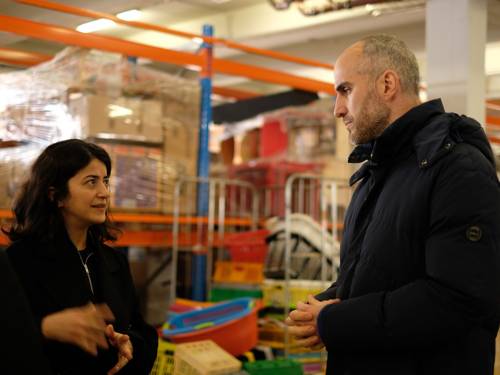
[[164, 363], [238, 272], [273, 291]]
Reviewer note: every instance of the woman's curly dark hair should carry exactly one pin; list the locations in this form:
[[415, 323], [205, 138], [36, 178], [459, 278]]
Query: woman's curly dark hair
[[36, 212]]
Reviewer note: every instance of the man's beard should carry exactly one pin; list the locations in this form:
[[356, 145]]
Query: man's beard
[[371, 120]]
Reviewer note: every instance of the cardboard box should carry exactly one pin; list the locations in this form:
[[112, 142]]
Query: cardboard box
[[180, 140], [92, 112], [173, 171], [249, 148], [152, 120], [124, 117], [136, 182], [204, 358], [151, 113]]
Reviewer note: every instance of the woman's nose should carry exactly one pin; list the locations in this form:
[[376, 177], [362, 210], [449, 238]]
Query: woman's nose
[[103, 190]]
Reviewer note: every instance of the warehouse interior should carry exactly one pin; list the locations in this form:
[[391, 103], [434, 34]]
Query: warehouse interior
[[230, 179]]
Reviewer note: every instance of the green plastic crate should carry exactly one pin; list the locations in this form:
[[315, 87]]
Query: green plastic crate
[[218, 294], [276, 367]]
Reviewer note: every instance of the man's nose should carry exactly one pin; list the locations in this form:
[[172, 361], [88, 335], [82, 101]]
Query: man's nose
[[339, 109]]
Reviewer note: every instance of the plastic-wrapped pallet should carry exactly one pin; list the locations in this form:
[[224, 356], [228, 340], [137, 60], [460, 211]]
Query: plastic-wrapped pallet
[[104, 97], [15, 162]]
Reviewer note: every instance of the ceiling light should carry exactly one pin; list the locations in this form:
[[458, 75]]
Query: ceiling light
[[195, 68], [118, 111], [104, 23], [130, 15], [96, 25]]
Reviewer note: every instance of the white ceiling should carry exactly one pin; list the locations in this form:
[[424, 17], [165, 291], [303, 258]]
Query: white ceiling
[[256, 23]]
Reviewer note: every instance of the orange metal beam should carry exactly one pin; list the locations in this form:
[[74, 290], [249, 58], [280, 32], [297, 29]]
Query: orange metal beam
[[156, 219], [6, 214], [149, 239], [273, 76], [23, 58], [71, 37], [492, 120], [93, 14], [163, 239], [492, 104], [494, 139], [166, 219], [234, 93]]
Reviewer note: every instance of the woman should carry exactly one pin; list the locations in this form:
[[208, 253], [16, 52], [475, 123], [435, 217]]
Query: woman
[[80, 290]]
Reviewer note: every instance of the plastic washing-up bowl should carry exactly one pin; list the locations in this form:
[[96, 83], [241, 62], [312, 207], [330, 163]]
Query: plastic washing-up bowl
[[232, 325]]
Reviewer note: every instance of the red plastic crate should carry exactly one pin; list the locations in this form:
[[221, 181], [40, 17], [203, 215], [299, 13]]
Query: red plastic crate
[[269, 178], [273, 139], [247, 246], [266, 174]]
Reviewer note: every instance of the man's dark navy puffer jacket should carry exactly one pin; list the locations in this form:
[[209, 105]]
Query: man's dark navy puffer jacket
[[420, 257]]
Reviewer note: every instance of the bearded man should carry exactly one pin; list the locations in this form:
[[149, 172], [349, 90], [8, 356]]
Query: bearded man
[[418, 290]]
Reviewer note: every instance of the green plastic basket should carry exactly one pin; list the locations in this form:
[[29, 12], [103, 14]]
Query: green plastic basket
[[219, 294], [276, 367]]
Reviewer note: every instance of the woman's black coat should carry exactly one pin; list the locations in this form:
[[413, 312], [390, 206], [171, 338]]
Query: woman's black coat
[[21, 340], [54, 279], [420, 258]]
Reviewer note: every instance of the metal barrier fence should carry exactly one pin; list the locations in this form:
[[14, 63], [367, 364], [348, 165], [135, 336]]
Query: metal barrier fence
[[313, 212], [232, 206]]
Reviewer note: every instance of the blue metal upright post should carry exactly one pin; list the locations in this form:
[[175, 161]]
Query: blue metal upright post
[[199, 266]]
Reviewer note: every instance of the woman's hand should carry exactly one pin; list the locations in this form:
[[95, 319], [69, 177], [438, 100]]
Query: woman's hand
[[83, 326], [123, 344]]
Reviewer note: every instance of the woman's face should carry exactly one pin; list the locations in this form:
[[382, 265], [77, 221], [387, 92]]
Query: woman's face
[[88, 197]]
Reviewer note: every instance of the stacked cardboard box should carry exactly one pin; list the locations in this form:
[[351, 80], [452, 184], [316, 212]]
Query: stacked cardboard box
[[148, 119]]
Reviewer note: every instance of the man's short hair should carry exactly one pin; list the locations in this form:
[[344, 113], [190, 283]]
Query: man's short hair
[[382, 52]]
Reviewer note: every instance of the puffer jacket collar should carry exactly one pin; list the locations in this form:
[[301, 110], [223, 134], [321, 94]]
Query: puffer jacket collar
[[397, 140]]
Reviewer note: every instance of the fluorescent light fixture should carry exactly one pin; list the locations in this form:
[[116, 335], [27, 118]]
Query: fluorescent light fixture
[[196, 68], [104, 23], [129, 15], [96, 25], [119, 111]]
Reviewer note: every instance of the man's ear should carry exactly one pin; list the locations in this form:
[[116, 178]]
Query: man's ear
[[388, 84]]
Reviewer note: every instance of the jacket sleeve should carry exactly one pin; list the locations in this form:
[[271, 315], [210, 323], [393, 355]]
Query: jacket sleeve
[[462, 266], [143, 336], [330, 293]]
